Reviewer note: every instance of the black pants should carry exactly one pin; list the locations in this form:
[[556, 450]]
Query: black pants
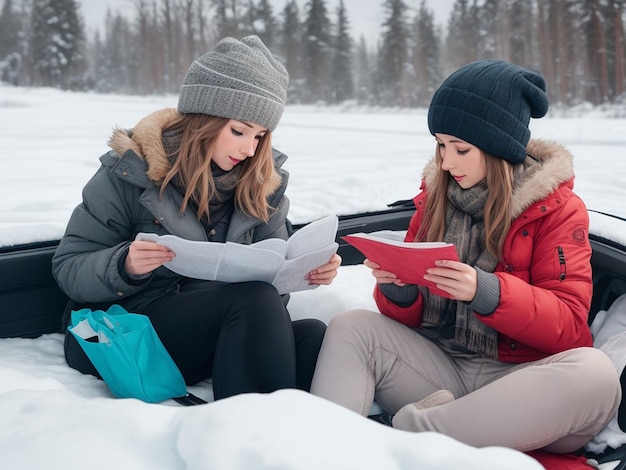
[[240, 334]]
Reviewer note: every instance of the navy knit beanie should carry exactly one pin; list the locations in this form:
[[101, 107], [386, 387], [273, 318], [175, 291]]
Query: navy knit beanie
[[489, 104]]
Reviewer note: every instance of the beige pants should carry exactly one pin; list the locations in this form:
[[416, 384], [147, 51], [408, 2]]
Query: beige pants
[[558, 403]]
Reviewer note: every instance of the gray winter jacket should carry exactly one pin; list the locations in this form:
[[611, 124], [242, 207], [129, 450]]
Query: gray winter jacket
[[121, 200]]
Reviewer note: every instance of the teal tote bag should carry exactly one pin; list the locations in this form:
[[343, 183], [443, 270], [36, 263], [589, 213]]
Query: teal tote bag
[[127, 352]]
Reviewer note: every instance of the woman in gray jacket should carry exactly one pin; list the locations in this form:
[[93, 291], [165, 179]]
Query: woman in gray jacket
[[206, 172]]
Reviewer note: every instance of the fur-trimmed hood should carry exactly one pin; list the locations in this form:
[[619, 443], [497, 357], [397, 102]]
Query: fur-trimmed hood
[[557, 168], [145, 140]]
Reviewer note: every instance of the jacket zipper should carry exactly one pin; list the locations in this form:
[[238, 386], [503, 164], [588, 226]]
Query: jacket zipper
[[561, 263]]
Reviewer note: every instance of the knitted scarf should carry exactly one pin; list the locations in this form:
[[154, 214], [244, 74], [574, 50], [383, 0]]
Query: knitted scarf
[[225, 185], [453, 319], [221, 203]]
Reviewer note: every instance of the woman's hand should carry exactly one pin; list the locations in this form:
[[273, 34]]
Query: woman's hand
[[325, 273], [382, 277], [144, 257], [456, 278]]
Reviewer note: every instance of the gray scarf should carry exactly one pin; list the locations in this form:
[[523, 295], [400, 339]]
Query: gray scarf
[[465, 229], [222, 201]]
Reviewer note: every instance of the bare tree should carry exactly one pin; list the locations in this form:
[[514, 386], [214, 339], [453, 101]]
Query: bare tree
[[618, 31]]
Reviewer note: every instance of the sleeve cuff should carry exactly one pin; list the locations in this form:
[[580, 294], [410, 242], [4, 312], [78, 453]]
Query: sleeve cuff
[[130, 279], [487, 296], [402, 296]]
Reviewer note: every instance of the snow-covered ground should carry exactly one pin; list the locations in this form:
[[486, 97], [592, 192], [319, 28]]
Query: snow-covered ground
[[341, 160]]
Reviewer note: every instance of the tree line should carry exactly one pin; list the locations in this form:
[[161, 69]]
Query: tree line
[[577, 44]]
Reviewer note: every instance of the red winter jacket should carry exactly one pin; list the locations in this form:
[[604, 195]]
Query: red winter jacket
[[545, 271], [560, 461]]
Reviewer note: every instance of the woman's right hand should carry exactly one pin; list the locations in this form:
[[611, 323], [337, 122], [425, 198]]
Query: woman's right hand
[[382, 277], [144, 257]]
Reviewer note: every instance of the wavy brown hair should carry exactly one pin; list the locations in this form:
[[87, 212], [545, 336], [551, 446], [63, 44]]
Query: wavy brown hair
[[499, 178], [258, 178]]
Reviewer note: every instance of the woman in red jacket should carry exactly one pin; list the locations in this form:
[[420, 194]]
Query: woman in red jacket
[[507, 360]]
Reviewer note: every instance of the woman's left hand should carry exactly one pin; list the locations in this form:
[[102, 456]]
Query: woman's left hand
[[325, 273], [456, 278]]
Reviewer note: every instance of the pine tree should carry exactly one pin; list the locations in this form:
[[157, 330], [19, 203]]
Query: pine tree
[[9, 30], [114, 55], [290, 47], [490, 17], [265, 25], [424, 57], [392, 79], [342, 81], [459, 39], [317, 51], [10, 47], [56, 43]]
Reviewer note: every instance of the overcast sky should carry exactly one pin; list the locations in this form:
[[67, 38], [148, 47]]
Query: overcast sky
[[365, 15]]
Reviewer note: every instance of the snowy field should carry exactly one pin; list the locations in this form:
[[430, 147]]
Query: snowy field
[[341, 160]]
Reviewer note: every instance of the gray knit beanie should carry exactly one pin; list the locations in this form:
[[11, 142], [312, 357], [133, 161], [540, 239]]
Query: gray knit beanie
[[236, 80], [489, 104]]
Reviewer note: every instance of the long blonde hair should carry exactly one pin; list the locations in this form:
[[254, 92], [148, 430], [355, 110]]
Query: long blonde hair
[[497, 214], [258, 178]]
